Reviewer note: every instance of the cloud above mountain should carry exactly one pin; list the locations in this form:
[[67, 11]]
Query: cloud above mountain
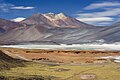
[[105, 13], [102, 5], [5, 7], [95, 12], [98, 19], [98, 12], [18, 19], [22, 7]]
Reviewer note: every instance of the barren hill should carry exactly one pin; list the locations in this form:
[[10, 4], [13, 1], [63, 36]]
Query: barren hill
[[6, 62], [59, 29], [52, 20], [8, 25]]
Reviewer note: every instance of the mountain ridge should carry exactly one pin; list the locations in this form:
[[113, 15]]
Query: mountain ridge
[[44, 28], [51, 20], [8, 25]]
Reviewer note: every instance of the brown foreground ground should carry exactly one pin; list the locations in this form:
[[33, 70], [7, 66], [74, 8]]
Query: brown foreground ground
[[59, 56], [27, 64]]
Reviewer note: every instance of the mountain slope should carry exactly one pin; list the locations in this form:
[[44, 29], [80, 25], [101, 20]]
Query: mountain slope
[[37, 19], [2, 30], [51, 20], [7, 62], [112, 33], [8, 25], [42, 26], [32, 33], [116, 24], [108, 34], [57, 35], [60, 29], [74, 36]]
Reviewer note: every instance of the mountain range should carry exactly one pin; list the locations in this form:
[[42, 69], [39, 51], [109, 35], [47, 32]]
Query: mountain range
[[56, 29]]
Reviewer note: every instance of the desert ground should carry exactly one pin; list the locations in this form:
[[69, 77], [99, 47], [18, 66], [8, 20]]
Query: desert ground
[[38, 64]]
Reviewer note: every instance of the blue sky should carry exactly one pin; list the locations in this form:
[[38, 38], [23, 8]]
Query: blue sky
[[96, 12]]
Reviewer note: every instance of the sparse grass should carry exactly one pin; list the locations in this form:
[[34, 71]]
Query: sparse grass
[[6, 62], [103, 72]]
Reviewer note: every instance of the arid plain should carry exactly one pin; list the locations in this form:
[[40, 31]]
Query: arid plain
[[38, 64]]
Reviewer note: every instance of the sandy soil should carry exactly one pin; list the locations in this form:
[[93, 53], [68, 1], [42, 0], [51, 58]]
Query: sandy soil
[[61, 56]]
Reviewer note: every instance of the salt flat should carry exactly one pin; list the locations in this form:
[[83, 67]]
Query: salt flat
[[108, 47]]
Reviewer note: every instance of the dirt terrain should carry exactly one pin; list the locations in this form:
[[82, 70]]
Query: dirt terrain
[[29, 64], [59, 56]]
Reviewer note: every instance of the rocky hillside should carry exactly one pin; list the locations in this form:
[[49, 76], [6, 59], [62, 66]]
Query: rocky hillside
[[51, 20], [6, 25], [6, 62], [59, 29]]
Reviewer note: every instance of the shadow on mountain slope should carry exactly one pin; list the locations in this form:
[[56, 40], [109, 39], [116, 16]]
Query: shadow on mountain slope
[[7, 62]]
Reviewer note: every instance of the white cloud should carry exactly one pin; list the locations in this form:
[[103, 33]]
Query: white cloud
[[97, 19], [102, 5], [104, 23], [5, 7], [22, 7], [19, 19], [109, 11]]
